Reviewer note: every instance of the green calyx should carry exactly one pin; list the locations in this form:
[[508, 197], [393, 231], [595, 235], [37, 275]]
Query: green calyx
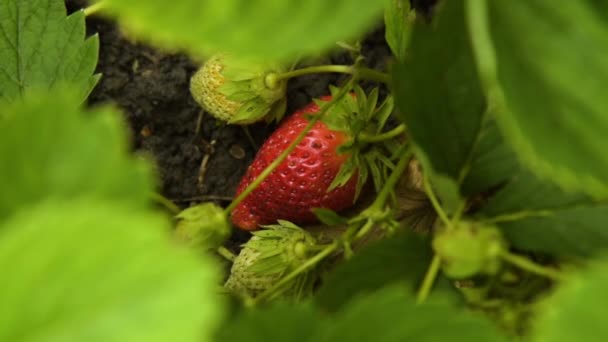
[[256, 88], [205, 225], [469, 249], [270, 254], [360, 116], [282, 247]]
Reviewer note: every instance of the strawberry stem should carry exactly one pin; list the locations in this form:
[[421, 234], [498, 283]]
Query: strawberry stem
[[435, 202], [382, 197], [356, 48], [268, 170], [434, 267], [372, 138], [365, 229], [530, 266], [392, 180], [94, 8], [165, 202], [224, 252], [360, 72], [429, 279]]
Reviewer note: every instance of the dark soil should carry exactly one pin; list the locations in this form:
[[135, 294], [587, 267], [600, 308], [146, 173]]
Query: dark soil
[[151, 87]]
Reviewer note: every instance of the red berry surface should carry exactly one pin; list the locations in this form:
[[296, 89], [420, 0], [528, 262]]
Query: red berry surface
[[300, 182]]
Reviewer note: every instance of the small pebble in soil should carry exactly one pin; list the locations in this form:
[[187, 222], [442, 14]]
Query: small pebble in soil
[[146, 131], [237, 151]]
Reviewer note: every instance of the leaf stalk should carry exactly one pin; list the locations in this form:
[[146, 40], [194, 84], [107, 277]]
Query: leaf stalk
[[358, 71], [94, 8], [369, 138]]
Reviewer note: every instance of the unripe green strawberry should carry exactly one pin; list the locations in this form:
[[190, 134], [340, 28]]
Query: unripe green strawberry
[[239, 92], [204, 225], [269, 255], [469, 249]]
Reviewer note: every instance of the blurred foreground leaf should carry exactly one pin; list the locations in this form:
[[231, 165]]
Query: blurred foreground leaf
[[575, 312], [389, 314], [262, 29], [88, 270], [49, 148], [279, 322]]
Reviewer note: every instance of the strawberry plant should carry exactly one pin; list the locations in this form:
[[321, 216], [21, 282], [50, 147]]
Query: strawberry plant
[[391, 170]]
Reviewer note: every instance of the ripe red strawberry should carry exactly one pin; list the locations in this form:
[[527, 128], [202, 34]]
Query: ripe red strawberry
[[300, 182]]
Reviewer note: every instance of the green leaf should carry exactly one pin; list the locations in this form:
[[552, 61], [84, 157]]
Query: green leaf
[[374, 168], [551, 68], [88, 270], [397, 26], [392, 314], [444, 186], [493, 162], [371, 102], [41, 48], [440, 98], [346, 172], [401, 259], [251, 110], [384, 113], [50, 149], [261, 29], [389, 314], [538, 216], [329, 217], [437, 90], [279, 322], [575, 312]]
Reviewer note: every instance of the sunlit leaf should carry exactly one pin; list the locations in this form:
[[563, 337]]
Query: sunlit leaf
[[49, 148], [248, 28], [575, 311], [88, 270]]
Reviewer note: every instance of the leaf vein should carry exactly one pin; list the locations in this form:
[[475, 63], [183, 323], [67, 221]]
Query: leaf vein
[[66, 43]]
